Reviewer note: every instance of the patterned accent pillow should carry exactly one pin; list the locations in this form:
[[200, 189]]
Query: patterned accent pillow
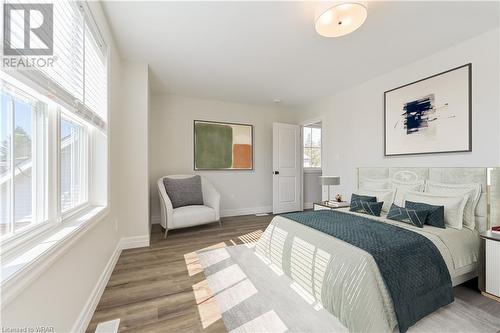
[[406, 215], [366, 207], [435, 216], [357, 197]]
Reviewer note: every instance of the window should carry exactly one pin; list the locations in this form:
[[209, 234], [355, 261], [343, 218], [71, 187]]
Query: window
[[53, 129], [312, 146], [73, 164], [23, 171], [24, 160]]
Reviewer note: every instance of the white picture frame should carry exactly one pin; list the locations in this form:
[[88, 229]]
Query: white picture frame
[[429, 116]]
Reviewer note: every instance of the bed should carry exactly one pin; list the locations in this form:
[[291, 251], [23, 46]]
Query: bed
[[345, 279]]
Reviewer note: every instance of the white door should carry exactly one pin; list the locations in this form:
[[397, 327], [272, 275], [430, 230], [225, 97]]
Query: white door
[[287, 168]]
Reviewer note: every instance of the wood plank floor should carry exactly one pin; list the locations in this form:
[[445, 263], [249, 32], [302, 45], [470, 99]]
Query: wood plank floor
[[151, 289]]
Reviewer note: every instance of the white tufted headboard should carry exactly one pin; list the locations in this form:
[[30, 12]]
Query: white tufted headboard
[[488, 208]]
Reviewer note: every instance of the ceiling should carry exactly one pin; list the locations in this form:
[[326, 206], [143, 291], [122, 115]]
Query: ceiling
[[255, 52]]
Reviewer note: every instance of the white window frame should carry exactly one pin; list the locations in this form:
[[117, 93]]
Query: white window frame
[[39, 175], [312, 169], [13, 243], [86, 167], [26, 254]]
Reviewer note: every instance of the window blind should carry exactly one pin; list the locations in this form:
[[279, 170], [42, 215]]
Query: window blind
[[95, 83], [78, 76], [67, 70]]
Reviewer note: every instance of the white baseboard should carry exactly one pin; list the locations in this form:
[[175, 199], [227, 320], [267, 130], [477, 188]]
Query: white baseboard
[[110, 326], [92, 302], [155, 219], [134, 242], [88, 311], [246, 211], [308, 205]]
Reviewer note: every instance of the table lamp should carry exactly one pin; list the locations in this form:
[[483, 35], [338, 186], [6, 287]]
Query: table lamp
[[329, 181]]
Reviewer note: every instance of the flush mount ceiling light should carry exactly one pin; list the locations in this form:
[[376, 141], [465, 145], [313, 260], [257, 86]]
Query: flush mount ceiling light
[[338, 18]]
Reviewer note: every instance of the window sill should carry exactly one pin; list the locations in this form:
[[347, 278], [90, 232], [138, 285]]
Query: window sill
[[24, 267], [312, 170]]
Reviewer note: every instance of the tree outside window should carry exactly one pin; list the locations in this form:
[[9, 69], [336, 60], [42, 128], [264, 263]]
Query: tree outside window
[[312, 147]]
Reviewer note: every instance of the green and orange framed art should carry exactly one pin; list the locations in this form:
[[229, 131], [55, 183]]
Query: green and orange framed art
[[222, 146]]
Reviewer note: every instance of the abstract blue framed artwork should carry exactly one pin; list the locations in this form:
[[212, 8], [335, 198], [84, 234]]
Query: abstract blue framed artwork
[[432, 115]]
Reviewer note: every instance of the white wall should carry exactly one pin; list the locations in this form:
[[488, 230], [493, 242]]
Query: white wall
[[130, 143], [171, 137], [353, 126], [58, 296], [312, 188]]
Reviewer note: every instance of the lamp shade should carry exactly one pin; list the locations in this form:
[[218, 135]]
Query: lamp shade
[[338, 18], [330, 180]]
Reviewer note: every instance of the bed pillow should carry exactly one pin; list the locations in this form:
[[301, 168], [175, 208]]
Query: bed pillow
[[472, 190], [184, 191], [385, 196], [357, 197], [366, 207], [402, 187], [375, 184], [415, 217], [435, 214], [453, 206]]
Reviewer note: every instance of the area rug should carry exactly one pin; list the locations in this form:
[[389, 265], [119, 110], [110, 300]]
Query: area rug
[[250, 295]]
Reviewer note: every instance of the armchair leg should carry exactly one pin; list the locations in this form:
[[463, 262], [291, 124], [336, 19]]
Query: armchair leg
[[166, 231], [220, 223]]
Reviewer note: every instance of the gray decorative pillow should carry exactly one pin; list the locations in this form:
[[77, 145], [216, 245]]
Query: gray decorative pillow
[[184, 191]]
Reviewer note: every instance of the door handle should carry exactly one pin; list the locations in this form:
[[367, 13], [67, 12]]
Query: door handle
[[276, 172]]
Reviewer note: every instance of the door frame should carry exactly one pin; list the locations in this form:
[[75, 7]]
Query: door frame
[[302, 124]]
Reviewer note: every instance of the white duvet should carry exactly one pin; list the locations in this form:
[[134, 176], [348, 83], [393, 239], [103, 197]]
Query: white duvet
[[344, 279]]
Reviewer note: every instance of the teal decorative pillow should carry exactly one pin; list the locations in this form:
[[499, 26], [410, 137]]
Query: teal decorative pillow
[[406, 215], [435, 216], [357, 197], [366, 207]]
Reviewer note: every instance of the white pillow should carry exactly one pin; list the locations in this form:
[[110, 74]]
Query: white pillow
[[453, 205], [472, 190], [375, 184], [402, 187], [387, 196]]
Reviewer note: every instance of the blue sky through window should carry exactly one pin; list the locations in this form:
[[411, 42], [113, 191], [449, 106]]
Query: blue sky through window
[[65, 128]]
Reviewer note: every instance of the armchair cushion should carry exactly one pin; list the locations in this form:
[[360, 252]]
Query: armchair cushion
[[193, 215], [184, 191]]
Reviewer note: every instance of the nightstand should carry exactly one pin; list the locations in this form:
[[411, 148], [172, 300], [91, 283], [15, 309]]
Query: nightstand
[[323, 205], [489, 265]]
